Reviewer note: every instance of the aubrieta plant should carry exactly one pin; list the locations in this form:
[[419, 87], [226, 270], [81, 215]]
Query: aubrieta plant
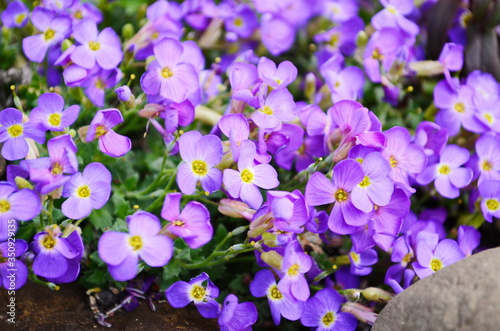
[[261, 159]]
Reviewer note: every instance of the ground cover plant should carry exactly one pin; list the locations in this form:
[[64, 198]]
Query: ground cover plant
[[286, 162]]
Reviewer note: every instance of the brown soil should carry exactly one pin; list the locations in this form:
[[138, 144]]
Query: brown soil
[[38, 308]]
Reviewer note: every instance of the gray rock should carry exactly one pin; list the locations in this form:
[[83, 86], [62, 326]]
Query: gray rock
[[462, 296]]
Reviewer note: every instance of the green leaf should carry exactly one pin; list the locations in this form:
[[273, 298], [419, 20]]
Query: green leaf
[[181, 250], [121, 206], [131, 182], [171, 270], [101, 219]]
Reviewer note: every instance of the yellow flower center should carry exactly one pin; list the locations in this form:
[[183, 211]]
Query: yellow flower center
[[459, 107], [4, 206], [393, 162], [135, 242], [49, 34], [100, 131], [100, 84], [57, 169], [444, 169], [492, 204], [377, 55], [334, 40], [436, 264], [354, 257], [328, 318], [341, 195], [275, 293], [20, 18], [278, 81], [487, 165], [407, 258], [198, 292], [178, 223], [293, 270], [15, 130], [166, 72], [199, 167], [94, 45], [48, 242], [392, 10], [54, 119], [489, 118], [266, 110], [365, 182], [155, 35], [83, 191], [78, 15], [238, 21], [247, 176]]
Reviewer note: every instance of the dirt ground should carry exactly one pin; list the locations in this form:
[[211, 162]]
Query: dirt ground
[[38, 308]]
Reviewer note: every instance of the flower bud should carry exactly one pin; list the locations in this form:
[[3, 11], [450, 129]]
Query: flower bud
[[239, 230], [22, 183], [128, 31], [65, 45], [82, 133], [124, 93], [361, 39], [236, 209], [273, 259], [352, 294], [376, 294], [362, 313]]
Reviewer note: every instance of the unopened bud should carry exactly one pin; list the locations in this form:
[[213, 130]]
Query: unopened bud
[[273, 259], [362, 313], [352, 294], [65, 45], [310, 87], [128, 31], [376, 294], [53, 286], [237, 247], [22, 183], [361, 39], [239, 230], [236, 209], [269, 239], [82, 133]]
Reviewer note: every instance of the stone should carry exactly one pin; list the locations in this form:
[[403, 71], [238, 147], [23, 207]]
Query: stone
[[462, 296]]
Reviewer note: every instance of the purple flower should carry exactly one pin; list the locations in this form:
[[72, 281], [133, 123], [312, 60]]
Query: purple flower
[[361, 262], [15, 15], [192, 224], [280, 303], [124, 93], [200, 155], [54, 28], [237, 316], [344, 83], [22, 205], [276, 108], [170, 75], [86, 191], [432, 138], [486, 162], [490, 203], [13, 272], [75, 241], [100, 128], [243, 22], [323, 312], [279, 77], [245, 182], [344, 217], [95, 82], [432, 258], [103, 48], [235, 126], [121, 251], [393, 16], [404, 157], [452, 59], [295, 264], [448, 175], [49, 115], [340, 10], [277, 34], [181, 293], [13, 133], [468, 239], [53, 253]]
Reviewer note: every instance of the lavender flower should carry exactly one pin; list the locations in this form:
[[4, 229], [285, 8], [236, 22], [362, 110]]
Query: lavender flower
[[361, 262], [192, 224], [121, 251], [181, 293], [86, 191], [235, 126], [200, 155], [237, 316], [295, 264], [21, 205], [490, 203], [100, 128], [245, 182], [103, 48], [12, 270], [13, 133], [76, 243], [486, 162], [276, 108], [323, 312], [448, 175], [279, 77], [243, 22], [95, 81], [264, 284], [54, 29], [15, 15], [468, 239], [432, 258], [49, 115]]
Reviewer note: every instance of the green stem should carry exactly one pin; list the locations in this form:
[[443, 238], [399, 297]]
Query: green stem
[[50, 217], [159, 201]]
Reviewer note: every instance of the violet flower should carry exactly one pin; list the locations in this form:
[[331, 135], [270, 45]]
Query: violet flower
[[323, 312], [274, 109], [192, 224], [15, 15], [12, 270], [280, 304], [200, 155], [361, 262], [21, 205], [276, 77], [49, 115], [86, 191], [110, 142], [448, 175], [170, 75], [490, 203], [95, 81], [181, 293], [277, 34], [344, 83], [235, 126], [245, 182], [75, 241], [432, 258], [121, 251], [468, 239], [103, 48], [295, 264], [486, 162], [13, 133], [54, 29], [243, 22], [237, 316]]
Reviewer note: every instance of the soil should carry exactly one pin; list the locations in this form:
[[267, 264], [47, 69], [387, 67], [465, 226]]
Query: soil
[[38, 308]]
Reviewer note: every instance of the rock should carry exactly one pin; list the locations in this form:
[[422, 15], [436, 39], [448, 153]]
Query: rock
[[39, 308], [462, 296]]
